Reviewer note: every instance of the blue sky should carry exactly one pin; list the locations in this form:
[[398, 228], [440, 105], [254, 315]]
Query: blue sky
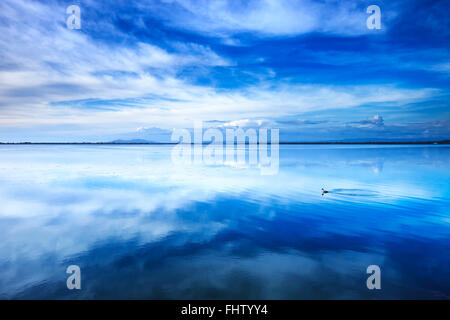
[[138, 69]]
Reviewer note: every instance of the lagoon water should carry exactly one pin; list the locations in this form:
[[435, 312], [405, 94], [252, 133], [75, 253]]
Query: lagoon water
[[141, 227]]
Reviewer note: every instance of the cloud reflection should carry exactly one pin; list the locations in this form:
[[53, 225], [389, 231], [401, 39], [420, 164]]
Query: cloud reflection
[[141, 227]]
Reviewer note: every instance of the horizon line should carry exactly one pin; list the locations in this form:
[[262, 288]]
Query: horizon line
[[445, 141]]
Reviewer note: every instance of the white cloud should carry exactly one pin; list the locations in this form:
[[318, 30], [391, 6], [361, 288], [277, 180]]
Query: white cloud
[[62, 65], [375, 121], [246, 123], [265, 17]]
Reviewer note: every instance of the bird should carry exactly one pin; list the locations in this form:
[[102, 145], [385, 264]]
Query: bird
[[324, 191]]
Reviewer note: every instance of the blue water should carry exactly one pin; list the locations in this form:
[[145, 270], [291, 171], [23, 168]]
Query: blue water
[[140, 226]]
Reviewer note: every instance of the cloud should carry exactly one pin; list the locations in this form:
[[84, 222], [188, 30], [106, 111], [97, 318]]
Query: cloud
[[443, 67], [368, 130], [73, 84], [63, 68], [244, 123], [261, 123], [375, 121], [62, 64], [264, 17], [300, 122]]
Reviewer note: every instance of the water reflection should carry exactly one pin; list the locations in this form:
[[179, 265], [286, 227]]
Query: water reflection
[[353, 192], [141, 227]]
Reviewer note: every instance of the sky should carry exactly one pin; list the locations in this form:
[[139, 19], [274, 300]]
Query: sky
[[140, 69]]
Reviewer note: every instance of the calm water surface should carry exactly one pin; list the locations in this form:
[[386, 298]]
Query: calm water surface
[[140, 226]]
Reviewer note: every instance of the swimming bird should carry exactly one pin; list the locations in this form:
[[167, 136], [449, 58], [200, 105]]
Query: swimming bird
[[324, 191]]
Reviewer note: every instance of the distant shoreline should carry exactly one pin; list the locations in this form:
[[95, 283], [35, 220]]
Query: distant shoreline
[[442, 142]]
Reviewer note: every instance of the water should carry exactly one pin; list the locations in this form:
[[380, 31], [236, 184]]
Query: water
[[141, 227]]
